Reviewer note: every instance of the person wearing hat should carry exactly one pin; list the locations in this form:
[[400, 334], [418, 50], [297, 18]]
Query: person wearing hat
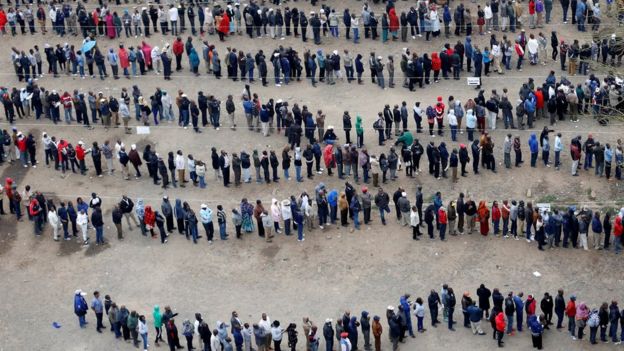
[[80, 307]]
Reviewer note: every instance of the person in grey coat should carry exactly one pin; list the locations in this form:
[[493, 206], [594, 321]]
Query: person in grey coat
[[167, 212]]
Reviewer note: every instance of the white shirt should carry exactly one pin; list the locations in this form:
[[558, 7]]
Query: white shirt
[[53, 219], [179, 162], [173, 14], [265, 324], [118, 147], [532, 46], [452, 119]]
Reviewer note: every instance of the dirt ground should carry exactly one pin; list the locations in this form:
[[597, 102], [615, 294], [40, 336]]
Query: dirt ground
[[334, 269]]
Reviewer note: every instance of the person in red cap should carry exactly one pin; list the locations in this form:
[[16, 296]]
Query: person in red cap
[[345, 343], [439, 110]]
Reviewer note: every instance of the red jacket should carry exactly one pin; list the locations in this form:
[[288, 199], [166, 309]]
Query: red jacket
[[571, 309], [530, 306], [617, 226], [178, 47], [539, 97], [496, 213], [224, 26], [33, 207], [442, 217], [500, 322], [504, 212], [531, 7], [21, 144], [149, 217], [124, 61], [436, 63], [393, 19], [80, 153], [328, 156]]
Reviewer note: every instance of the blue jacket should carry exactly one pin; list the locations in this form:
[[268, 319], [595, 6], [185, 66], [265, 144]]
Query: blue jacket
[[468, 47], [529, 103], [533, 144], [519, 304], [446, 16], [535, 326], [80, 305], [596, 225], [332, 197], [475, 313]]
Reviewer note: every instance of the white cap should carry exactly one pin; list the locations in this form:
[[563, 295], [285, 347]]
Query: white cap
[[335, 52], [279, 101], [204, 206], [391, 308], [80, 142], [404, 194], [379, 58], [328, 320], [133, 146], [276, 54]]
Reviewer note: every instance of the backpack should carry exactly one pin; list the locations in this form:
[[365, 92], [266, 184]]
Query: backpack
[[594, 320], [377, 124]]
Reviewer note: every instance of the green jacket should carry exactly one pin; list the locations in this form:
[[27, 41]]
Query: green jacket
[[407, 139], [358, 126], [157, 317], [132, 322]]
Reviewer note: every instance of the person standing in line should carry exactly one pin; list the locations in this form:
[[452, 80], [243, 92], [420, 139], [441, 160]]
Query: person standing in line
[[97, 307]]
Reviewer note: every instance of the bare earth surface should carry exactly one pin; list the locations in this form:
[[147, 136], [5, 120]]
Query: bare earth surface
[[332, 270]]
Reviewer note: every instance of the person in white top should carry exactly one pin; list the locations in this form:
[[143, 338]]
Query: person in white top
[[533, 47], [286, 215], [265, 324], [54, 221], [215, 344], [82, 220], [142, 329], [173, 18], [156, 59], [179, 164], [452, 121], [276, 215]]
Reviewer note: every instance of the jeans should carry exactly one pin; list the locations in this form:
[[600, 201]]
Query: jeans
[[298, 173], [82, 321], [442, 231], [510, 320], [68, 115], [381, 213], [202, 181], [592, 334], [222, 231], [571, 325], [99, 234], [533, 159], [450, 317], [559, 319], [144, 337], [356, 219]]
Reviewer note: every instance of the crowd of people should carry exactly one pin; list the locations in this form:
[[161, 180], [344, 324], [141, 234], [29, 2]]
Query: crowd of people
[[567, 226], [552, 102], [517, 36], [288, 65], [512, 316]]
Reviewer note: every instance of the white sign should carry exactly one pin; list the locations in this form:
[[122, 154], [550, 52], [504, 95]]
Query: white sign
[[543, 207], [473, 81], [143, 130]]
